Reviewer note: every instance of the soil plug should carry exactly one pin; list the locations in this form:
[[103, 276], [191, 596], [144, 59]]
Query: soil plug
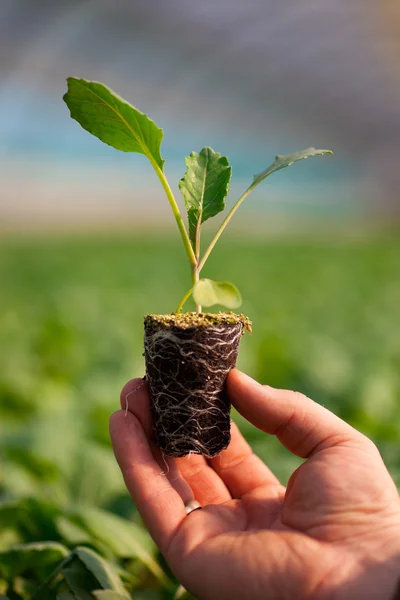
[[188, 355], [188, 358]]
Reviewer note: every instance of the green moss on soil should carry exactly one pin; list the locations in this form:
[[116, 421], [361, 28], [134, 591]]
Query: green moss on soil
[[193, 319]]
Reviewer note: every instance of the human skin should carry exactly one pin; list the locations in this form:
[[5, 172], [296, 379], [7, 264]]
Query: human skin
[[332, 534]]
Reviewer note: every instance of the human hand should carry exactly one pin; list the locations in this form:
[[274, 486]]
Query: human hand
[[333, 534]]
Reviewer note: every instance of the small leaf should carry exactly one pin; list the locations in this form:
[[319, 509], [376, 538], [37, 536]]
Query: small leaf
[[107, 595], [111, 119], [204, 187], [282, 161], [100, 569], [207, 293]]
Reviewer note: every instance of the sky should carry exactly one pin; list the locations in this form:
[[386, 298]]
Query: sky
[[249, 79]]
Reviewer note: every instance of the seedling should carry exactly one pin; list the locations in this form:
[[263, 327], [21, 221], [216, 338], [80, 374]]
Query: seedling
[[188, 356], [204, 186]]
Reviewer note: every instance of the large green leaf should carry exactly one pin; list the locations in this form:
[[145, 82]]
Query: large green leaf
[[100, 569], [110, 118], [85, 571], [281, 161], [124, 538], [204, 187], [208, 293], [79, 579], [39, 558]]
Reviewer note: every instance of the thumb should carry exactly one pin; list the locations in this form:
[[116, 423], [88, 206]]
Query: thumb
[[301, 425]]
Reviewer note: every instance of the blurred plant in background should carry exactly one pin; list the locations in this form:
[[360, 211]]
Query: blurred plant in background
[[326, 320]]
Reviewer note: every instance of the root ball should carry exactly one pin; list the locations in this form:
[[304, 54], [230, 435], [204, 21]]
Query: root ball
[[188, 358]]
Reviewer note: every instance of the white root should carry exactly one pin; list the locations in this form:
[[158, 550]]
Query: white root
[[186, 373], [133, 392]]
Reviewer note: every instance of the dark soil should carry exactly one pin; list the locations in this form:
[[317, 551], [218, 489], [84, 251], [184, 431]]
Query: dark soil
[[188, 358]]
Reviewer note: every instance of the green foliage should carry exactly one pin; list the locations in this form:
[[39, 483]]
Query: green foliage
[[40, 558], [124, 539], [100, 569], [210, 293], [326, 322], [204, 186], [107, 595], [204, 189], [115, 122], [79, 579]]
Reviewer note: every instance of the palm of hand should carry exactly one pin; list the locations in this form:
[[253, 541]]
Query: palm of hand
[[312, 530], [334, 533]]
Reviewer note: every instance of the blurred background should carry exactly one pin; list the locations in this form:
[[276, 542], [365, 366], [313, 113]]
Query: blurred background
[[88, 244]]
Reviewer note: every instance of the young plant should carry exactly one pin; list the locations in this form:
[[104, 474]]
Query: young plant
[[188, 356], [204, 186]]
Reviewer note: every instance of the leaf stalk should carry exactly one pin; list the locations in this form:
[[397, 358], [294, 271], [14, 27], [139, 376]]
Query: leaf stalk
[[176, 212], [196, 277], [182, 302]]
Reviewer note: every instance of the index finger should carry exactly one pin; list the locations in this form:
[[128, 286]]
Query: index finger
[[301, 425], [159, 504]]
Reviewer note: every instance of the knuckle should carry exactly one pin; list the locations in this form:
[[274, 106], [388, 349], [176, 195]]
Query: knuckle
[[235, 461], [300, 397], [369, 444]]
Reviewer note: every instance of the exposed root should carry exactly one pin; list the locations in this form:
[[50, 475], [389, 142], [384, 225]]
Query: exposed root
[[165, 463], [133, 392], [186, 369]]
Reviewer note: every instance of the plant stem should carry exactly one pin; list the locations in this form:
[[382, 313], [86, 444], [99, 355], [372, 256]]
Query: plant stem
[[197, 242], [222, 227], [177, 214], [182, 302], [196, 277]]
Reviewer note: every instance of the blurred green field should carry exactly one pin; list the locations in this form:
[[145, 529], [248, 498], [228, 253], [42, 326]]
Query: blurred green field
[[326, 321]]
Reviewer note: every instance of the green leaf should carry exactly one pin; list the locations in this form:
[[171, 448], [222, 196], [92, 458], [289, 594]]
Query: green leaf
[[35, 519], [124, 538], [79, 579], [204, 187], [40, 468], [182, 594], [110, 118], [39, 557], [107, 595], [282, 161], [100, 569], [207, 293], [10, 511], [66, 596], [71, 532]]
